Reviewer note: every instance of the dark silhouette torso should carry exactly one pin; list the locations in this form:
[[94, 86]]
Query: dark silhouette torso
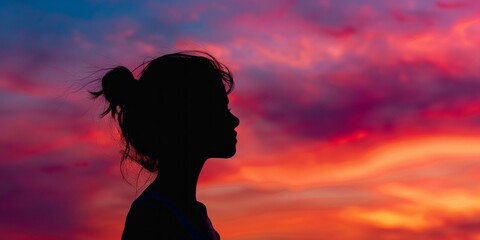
[[152, 216]]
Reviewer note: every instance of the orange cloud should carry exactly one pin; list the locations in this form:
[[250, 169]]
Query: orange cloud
[[386, 218], [372, 161]]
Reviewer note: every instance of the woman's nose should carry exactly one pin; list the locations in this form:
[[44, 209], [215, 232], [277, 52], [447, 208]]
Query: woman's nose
[[236, 121]]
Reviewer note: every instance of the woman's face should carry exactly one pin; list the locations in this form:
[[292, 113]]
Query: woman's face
[[215, 129], [223, 135]]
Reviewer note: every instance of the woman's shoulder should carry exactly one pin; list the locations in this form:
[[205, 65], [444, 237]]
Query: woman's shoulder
[[149, 206], [150, 218]]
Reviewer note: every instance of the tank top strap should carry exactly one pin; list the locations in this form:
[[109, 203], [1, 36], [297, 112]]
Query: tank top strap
[[203, 212]]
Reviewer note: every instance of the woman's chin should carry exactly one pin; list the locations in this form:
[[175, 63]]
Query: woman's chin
[[226, 153]]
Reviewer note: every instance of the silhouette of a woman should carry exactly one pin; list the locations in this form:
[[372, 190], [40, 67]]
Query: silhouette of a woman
[[172, 119]]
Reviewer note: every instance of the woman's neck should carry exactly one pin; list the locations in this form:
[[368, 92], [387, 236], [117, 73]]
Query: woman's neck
[[177, 179]]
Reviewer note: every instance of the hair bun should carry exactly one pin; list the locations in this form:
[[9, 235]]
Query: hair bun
[[118, 86]]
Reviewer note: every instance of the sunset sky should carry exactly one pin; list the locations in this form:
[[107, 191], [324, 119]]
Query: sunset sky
[[360, 119]]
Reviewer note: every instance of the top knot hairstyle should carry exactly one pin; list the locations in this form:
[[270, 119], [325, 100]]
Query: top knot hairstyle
[[140, 105], [118, 87]]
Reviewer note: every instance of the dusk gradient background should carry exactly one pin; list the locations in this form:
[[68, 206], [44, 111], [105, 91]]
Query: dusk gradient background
[[360, 119]]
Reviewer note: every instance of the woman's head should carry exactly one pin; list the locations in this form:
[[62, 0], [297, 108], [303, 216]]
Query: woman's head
[[178, 106]]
